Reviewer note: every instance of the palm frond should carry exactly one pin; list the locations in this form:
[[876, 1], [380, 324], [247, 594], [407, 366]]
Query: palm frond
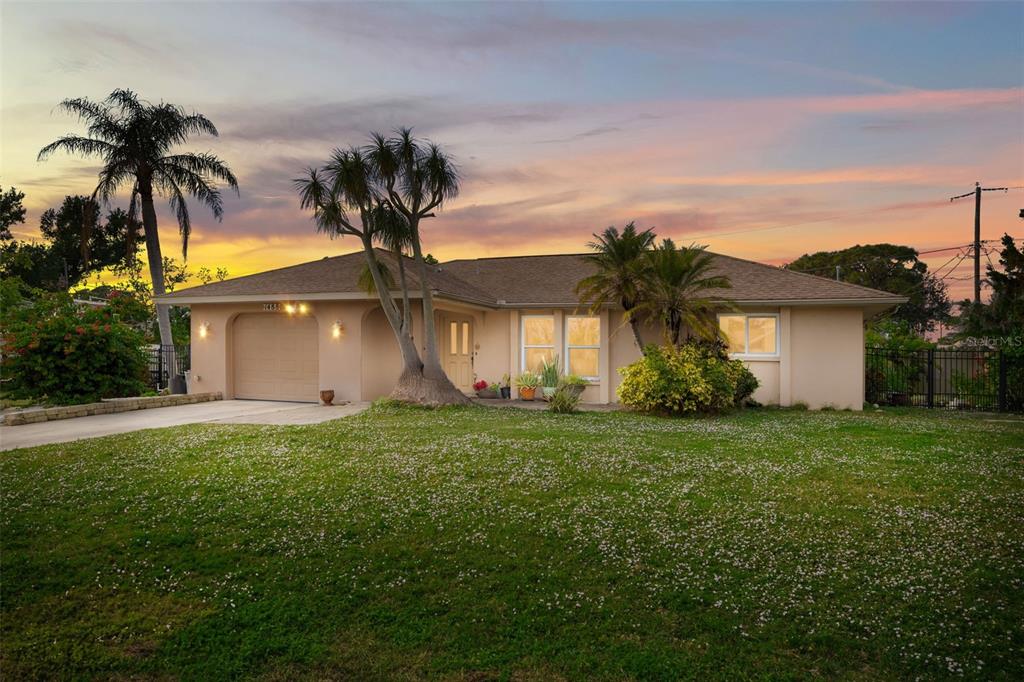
[[76, 144], [180, 208], [172, 179], [366, 282], [204, 164], [85, 109], [111, 177], [195, 124], [127, 101], [352, 178]]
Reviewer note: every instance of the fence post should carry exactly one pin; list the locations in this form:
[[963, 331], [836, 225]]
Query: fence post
[[1002, 380], [931, 377]]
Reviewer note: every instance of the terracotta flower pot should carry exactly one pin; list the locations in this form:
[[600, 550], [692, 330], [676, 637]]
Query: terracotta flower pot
[[526, 393], [326, 397]]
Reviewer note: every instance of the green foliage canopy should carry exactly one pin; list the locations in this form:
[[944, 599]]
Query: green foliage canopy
[[887, 267]]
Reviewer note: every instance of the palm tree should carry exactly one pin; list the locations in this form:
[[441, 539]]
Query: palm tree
[[620, 260], [135, 140], [417, 178], [357, 193], [676, 290]]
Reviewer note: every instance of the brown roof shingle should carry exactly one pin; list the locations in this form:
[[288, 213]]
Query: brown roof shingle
[[552, 280], [522, 281]]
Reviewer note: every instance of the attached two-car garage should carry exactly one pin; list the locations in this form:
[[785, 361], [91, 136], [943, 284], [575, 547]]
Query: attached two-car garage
[[275, 357]]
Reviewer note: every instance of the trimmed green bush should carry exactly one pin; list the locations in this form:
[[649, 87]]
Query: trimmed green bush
[[67, 354], [686, 379]]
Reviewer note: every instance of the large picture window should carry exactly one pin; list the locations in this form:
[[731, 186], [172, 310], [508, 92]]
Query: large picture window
[[751, 334], [538, 340], [583, 346]]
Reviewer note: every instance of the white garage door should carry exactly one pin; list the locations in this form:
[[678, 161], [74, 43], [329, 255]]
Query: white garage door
[[275, 357]]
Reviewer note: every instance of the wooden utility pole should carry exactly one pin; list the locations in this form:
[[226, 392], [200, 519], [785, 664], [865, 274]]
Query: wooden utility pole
[[978, 189]]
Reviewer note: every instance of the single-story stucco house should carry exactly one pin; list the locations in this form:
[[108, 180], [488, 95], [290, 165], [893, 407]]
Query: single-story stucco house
[[288, 333]]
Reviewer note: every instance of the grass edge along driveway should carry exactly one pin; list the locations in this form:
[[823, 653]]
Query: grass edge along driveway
[[474, 543]]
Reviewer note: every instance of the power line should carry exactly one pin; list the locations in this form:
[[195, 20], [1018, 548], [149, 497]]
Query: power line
[[978, 189]]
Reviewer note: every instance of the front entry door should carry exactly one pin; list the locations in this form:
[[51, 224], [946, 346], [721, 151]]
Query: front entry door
[[457, 355]]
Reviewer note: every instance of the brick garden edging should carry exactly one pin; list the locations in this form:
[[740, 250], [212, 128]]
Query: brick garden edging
[[110, 406]]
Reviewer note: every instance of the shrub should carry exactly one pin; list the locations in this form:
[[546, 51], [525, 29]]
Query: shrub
[[67, 354], [746, 383], [685, 379], [564, 401]]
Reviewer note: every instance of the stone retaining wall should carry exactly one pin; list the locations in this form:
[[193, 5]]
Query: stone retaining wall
[[49, 414]]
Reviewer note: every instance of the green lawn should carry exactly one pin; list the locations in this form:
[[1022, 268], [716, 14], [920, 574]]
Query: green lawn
[[475, 543]]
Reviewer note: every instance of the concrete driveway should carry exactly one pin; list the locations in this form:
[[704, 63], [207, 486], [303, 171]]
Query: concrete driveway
[[217, 411]]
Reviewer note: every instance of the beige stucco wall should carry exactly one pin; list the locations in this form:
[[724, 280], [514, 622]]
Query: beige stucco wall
[[826, 357], [767, 373], [821, 359]]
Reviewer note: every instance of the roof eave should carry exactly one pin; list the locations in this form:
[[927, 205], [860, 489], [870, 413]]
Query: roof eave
[[260, 298]]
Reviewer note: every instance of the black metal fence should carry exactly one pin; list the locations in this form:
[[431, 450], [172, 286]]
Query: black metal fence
[[989, 380], [166, 362]]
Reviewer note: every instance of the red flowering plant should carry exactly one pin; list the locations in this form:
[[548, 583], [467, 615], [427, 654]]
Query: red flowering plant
[[66, 353], [480, 385]]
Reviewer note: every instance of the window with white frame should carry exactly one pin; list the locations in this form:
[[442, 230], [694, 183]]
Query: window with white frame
[[583, 346], [538, 341], [751, 334]]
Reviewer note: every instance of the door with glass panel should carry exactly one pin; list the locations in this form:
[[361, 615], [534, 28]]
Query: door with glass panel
[[457, 354]]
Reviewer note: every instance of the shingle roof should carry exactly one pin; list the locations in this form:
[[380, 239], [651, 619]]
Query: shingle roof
[[329, 275], [524, 281]]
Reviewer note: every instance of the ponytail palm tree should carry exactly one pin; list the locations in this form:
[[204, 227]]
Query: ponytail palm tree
[[417, 178], [352, 195], [135, 141], [678, 290], [620, 260]]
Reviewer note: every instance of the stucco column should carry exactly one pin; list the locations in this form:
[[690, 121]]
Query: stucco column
[[559, 317], [513, 345], [604, 360], [785, 358]]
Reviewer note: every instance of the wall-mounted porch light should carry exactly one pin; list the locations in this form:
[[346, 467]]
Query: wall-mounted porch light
[[204, 329], [292, 308], [337, 329]]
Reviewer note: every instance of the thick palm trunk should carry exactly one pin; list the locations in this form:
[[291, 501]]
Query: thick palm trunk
[[156, 261], [634, 324]]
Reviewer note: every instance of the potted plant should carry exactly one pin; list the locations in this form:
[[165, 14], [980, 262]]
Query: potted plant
[[574, 383], [485, 390], [549, 378], [506, 387], [527, 383]]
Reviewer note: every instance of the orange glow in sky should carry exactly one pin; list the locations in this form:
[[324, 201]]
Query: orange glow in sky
[[762, 131]]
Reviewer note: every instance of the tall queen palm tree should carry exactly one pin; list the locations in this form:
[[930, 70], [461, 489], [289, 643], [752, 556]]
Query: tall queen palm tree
[[135, 140]]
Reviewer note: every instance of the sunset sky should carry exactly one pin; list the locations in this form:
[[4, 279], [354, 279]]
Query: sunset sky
[[764, 130]]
